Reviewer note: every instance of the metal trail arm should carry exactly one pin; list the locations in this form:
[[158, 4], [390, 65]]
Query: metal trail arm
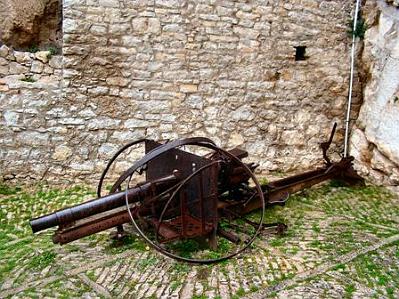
[[278, 191]]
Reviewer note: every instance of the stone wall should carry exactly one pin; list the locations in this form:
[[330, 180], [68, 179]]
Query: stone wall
[[30, 89], [167, 69], [223, 69], [375, 138]]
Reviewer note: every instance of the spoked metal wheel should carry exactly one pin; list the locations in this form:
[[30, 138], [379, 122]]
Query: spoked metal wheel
[[194, 213]]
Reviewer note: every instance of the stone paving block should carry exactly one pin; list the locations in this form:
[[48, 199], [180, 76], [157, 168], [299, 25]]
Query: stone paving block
[[320, 239]]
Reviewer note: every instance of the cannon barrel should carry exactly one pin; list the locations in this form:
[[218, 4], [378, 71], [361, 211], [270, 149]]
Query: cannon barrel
[[99, 205]]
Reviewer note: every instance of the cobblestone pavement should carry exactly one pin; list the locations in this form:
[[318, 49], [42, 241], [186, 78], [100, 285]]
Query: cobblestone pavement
[[341, 242]]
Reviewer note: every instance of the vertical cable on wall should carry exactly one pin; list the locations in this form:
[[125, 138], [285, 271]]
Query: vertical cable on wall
[[347, 122]]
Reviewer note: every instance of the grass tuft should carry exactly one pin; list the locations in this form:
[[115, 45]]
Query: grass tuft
[[43, 260], [9, 190]]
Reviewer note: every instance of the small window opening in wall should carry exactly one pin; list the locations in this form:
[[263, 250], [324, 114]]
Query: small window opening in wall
[[300, 53]]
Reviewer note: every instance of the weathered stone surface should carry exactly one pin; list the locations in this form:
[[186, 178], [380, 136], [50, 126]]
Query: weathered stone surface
[[109, 3], [24, 23], [236, 139], [4, 50], [23, 57], [56, 62], [16, 68], [11, 118], [375, 140], [393, 2], [188, 88], [118, 81], [98, 30], [225, 70], [243, 113], [33, 138], [107, 150], [61, 153], [37, 67], [3, 88], [99, 90], [26, 93], [43, 56]]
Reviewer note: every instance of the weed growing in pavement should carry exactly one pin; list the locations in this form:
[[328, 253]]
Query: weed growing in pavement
[[9, 190], [43, 260], [181, 268], [147, 262], [175, 284], [349, 290], [126, 243]]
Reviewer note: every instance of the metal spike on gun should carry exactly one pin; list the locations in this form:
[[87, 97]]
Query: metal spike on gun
[[172, 194]]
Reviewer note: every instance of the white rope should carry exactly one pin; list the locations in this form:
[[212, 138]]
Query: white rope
[[347, 122]]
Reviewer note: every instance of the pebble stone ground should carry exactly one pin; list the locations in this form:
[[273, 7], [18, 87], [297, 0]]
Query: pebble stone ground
[[341, 243]]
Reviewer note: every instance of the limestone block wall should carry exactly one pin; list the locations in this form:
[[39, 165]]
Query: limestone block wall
[[375, 138], [173, 68], [30, 90], [222, 69]]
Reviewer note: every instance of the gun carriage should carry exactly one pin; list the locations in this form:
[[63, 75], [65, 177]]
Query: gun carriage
[[188, 189]]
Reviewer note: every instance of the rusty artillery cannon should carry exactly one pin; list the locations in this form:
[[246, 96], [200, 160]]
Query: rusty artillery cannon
[[188, 189]]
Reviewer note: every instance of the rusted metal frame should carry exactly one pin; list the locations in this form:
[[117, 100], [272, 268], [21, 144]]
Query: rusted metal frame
[[95, 206], [251, 223], [167, 233], [119, 216], [214, 171], [277, 190], [233, 238], [156, 152], [183, 213], [326, 145], [91, 225], [201, 204], [227, 155], [277, 193], [295, 178], [238, 215], [192, 221], [101, 223], [187, 179]]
